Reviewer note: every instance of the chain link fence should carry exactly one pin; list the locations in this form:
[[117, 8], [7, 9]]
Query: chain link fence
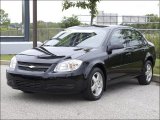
[[115, 19], [43, 33]]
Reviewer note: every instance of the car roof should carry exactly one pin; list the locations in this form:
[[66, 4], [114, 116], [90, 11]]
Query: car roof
[[97, 27]]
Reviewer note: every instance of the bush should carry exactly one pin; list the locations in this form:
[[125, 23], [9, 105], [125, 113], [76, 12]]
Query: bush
[[155, 39], [70, 21]]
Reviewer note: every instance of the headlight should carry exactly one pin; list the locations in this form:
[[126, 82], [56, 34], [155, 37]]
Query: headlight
[[13, 62], [69, 65]]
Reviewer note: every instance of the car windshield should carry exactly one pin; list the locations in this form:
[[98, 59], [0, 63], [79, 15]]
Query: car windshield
[[79, 38]]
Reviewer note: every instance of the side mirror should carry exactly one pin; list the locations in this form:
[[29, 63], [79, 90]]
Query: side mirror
[[114, 47]]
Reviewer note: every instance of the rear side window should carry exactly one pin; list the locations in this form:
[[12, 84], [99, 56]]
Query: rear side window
[[138, 37], [128, 37], [134, 41], [135, 38]]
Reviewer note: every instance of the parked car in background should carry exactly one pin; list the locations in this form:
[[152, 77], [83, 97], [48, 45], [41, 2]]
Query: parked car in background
[[83, 59]]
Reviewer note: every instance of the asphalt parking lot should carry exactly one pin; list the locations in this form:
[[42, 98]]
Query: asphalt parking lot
[[122, 100]]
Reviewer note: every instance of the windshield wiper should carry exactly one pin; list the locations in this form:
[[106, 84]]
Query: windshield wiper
[[49, 54], [56, 39], [47, 45], [42, 49]]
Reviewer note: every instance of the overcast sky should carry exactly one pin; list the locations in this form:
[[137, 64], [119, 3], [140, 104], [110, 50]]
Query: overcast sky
[[52, 10]]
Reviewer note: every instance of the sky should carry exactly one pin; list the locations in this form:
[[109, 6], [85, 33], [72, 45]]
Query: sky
[[51, 11]]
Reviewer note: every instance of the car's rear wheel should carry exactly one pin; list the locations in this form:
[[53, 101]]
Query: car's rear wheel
[[95, 85], [146, 78]]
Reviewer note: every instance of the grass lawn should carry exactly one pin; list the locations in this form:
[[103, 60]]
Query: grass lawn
[[6, 57], [156, 68]]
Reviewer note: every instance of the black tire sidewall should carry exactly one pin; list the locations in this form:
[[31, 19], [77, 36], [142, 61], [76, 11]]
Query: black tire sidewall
[[146, 63], [142, 79], [88, 90]]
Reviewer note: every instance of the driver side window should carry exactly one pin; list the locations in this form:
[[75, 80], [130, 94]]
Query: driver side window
[[118, 37]]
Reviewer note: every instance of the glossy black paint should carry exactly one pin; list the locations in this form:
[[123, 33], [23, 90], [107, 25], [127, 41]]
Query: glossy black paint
[[118, 63]]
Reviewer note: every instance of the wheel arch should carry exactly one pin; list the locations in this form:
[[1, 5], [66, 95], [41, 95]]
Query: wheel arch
[[100, 65], [150, 58]]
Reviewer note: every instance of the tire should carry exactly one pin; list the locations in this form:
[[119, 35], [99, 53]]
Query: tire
[[146, 78], [95, 85]]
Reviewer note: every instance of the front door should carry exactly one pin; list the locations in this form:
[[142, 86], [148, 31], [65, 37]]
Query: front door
[[119, 61]]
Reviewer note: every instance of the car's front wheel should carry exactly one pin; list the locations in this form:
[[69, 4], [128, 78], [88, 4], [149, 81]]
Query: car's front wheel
[[95, 85], [146, 78]]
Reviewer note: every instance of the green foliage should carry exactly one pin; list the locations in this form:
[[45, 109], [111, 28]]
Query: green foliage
[[90, 4], [70, 21], [154, 18], [6, 57], [42, 24], [4, 20], [155, 39], [157, 67], [3, 29]]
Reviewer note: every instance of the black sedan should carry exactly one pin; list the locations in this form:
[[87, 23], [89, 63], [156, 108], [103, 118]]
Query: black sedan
[[83, 59]]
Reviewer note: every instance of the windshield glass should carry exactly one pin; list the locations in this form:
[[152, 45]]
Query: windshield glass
[[78, 38]]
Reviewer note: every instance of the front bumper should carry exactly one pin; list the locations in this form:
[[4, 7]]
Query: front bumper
[[45, 83]]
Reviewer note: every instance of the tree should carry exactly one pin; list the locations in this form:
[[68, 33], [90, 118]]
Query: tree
[[4, 20], [70, 21], [90, 4], [41, 24], [153, 18]]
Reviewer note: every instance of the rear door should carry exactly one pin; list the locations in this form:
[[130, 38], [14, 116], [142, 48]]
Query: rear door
[[138, 51]]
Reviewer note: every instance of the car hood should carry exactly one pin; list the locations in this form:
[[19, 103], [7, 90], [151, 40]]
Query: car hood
[[52, 53]]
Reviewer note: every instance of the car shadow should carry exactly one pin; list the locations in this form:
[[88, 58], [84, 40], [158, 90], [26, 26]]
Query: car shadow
[[121, 84], [49, 98], [67, 98]]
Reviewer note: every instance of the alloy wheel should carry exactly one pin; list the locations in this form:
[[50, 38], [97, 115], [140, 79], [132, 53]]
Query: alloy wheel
[[148, 73], [97, 84]]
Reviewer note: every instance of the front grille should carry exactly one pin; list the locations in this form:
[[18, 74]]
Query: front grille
[[40, 84], [36, 84], [39, 67]]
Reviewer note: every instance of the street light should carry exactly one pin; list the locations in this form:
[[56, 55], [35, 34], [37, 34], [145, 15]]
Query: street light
[[34, 23]]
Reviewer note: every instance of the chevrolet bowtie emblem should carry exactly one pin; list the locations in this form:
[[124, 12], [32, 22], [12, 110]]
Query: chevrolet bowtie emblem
[[31, 66]]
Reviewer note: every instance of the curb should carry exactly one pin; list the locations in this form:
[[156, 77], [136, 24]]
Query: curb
[[156, 78]]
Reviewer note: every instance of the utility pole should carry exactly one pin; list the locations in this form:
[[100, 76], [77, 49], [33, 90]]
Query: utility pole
[[34, 23]]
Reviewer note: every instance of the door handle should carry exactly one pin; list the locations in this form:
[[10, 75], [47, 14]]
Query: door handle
[[143, 50], [128, 53]]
